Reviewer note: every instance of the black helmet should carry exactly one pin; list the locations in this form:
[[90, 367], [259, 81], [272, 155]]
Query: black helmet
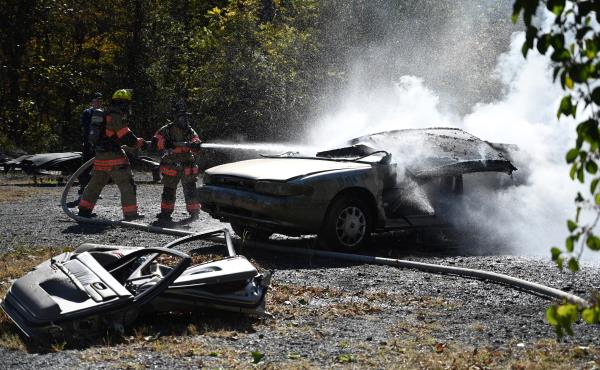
[[180, 108], [182, 119]]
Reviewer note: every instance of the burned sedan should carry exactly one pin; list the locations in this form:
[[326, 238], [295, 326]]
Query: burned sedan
[[385, 181]]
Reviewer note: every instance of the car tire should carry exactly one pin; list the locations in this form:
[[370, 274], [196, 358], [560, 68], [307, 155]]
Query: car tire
[[347, 225], [248, 233]]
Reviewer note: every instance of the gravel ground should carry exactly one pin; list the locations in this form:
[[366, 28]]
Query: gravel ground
[[324, 313]]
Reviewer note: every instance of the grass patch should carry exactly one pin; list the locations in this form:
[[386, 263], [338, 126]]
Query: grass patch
[[20, 261], [12, 266], [418, 353]]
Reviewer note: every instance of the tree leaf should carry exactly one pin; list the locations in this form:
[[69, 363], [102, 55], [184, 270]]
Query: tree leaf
[[524, 49], [530, 36], [593, 242], [570, 244], [560, 55], [517, 7], [585, 7], [573, 264], [597, 199], [565, 106], [560, 262], [556, 6], [557, 41], [594, 185], [555, 251], [582, 32], [590, 315], [573, 171], [570, 85], [580, 175], [542, 43], [596, 95], [555, 73], [591, 167], [551, 316], [572, 155], [567, 313], [579, 72], [571, 225]]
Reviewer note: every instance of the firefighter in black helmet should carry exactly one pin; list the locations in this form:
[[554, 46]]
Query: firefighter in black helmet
[[178, 163]]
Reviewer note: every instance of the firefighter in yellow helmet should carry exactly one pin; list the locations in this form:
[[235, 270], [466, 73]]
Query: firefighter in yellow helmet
[[178, 163], [108, 132]]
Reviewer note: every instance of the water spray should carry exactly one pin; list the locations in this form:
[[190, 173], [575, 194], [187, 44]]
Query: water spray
[[266, 148]]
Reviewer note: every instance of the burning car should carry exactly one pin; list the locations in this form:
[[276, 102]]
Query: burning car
[[98, 288], [385, 181]]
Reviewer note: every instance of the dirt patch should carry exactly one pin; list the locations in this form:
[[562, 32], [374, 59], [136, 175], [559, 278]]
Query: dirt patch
[[17, 194]]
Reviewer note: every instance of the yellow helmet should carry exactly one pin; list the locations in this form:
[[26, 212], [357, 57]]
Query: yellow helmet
[[123, 95]]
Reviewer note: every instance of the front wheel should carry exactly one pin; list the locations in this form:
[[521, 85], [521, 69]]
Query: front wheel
[[348, 224]]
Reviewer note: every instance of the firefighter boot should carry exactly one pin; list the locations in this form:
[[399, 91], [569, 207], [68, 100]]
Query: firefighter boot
[[135, 216], [164, 218], [86, 213]]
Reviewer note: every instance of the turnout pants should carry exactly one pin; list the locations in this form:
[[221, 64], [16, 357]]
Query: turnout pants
[[172, 174], [119, 170], [84, 178]]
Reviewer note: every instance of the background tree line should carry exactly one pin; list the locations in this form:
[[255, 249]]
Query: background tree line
[[245, 66]]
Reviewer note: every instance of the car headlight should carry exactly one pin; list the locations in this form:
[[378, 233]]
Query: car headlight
[[206, 178], [281, 188]]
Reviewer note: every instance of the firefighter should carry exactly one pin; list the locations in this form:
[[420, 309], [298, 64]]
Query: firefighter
[[88, 149], [178, 163], [108, 133]]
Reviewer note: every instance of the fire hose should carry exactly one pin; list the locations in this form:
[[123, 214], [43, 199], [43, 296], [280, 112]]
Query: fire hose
[[514, 282]]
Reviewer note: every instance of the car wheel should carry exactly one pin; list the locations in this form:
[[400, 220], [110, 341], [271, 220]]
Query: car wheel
[[248, 233], [347, 225]]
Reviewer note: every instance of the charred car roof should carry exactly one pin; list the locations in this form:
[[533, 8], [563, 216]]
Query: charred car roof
[[438, 151]]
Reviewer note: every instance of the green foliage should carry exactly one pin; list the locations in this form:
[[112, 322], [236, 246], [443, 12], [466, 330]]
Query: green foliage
[[257, 356], [574, 47], [256, 72], [562, 317], [345, 358], [245, 66]]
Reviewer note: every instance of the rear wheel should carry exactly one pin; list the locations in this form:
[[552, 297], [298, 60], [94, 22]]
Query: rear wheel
[[249, 233], [348, 224]]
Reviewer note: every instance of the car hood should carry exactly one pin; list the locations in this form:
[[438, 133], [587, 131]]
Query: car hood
[[281, 169]]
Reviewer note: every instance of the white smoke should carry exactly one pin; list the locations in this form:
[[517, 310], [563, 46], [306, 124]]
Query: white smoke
[[531, 217], [526, 218]]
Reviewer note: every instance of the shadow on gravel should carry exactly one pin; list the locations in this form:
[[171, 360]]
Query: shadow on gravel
[[150, 328], [86, 229], [399, 245]]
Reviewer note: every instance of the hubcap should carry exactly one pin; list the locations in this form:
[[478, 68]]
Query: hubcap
[[350, 226]]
